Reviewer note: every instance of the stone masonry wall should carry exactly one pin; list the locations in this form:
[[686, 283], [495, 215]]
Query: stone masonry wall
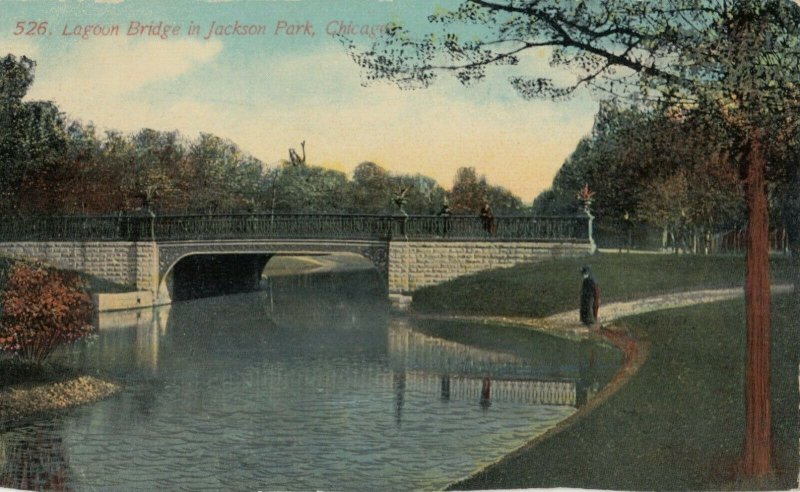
[[128, 263], [415, 264]]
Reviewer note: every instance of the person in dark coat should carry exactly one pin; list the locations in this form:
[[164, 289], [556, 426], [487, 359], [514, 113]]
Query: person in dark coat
[[444, 213], [487, 219], [590, 298]]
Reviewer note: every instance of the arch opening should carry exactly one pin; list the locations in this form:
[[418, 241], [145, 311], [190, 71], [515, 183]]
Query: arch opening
[[208, 275]]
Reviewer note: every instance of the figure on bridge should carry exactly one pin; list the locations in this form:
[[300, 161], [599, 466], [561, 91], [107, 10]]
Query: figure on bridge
[[590, 298], [445, 214], [487, 218]]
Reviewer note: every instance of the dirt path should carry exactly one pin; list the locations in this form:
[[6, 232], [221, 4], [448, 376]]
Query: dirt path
[[616, 310], [566, 324]]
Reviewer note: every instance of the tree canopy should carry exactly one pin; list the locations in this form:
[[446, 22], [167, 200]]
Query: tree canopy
[[51, 165]]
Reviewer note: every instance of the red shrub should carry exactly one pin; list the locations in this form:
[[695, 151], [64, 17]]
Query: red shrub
[[42, 309]]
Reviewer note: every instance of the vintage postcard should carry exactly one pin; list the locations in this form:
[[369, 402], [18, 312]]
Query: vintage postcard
[[260, 245]]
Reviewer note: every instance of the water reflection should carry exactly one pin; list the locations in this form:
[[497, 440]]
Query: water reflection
[[130, 344], [310, 385], [34, 457]]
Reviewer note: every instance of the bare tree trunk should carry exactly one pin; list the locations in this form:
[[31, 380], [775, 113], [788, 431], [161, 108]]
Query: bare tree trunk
[[758, 439]]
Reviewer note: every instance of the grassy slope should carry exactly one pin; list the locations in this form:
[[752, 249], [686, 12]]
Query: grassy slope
[[553, 286], [678, 424]]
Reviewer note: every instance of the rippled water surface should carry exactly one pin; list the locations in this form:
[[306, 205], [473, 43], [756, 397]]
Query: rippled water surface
[[309, 385]]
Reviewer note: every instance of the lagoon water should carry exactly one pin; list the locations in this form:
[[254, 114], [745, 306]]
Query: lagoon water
[[310, 384]]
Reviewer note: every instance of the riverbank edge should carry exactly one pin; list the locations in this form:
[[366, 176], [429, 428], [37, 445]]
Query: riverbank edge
[[635, 349], [635, 353], [25, 400]]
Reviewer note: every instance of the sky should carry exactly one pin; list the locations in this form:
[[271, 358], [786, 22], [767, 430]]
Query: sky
[[270, 90]]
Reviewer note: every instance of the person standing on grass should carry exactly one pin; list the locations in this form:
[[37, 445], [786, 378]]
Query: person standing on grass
[[590, 298]]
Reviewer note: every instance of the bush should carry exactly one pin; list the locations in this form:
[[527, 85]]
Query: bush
[[42, 309]]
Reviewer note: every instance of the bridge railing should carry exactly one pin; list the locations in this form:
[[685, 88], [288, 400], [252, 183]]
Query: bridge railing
[[146, 227]]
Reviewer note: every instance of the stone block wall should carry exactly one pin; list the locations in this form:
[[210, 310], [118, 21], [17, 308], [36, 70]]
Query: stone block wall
[[415, 264], [410, 264], [129, 263]]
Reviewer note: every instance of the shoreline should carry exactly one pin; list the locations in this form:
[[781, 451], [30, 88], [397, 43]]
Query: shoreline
[[635, 351]]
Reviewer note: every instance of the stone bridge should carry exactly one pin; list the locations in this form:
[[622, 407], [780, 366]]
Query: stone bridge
[[168, 258]]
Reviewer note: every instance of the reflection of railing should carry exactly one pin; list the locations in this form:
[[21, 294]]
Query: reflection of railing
[[527, 391], [413, 351], [146, 226]]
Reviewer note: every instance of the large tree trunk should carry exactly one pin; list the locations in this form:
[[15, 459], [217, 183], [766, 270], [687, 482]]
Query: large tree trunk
[[758, 439]]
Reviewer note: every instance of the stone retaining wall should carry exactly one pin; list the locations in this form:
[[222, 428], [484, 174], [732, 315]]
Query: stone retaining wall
[[127, 263], [408, 266], [415, 264]]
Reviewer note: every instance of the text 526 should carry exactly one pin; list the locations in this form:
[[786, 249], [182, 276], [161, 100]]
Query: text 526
[[30, 28]]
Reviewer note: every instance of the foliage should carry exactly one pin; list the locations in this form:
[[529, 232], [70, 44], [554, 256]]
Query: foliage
[[51, 166], [371, 188], [42, 309], [31, 133], [470, 192], [645, 165]]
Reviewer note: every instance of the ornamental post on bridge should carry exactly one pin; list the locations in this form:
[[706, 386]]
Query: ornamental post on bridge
[[585, 196], [400, 200]]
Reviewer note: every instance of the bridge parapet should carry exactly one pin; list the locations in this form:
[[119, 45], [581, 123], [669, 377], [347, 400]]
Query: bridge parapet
[[146, 227]]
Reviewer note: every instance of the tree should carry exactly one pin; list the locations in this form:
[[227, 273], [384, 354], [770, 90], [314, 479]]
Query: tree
[[42, 309], [217, 176], [469, 191], [424, 195], [31, 136], [371, 188], [732, 60], [650, 165]]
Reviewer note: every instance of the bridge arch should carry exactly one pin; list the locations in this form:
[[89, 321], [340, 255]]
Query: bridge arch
[[197, 269]]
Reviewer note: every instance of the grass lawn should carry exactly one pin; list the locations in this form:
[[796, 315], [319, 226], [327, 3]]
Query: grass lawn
[[553, 286], [678, 423]]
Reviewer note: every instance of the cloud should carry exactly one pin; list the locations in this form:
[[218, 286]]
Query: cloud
[[112, 67]]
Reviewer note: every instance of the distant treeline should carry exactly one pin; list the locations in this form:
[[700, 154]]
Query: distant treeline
[[51, 165], [679, 173]]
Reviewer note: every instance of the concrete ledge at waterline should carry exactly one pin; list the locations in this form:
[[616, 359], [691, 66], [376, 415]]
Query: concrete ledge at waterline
[[123, 300], [125, 318]]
